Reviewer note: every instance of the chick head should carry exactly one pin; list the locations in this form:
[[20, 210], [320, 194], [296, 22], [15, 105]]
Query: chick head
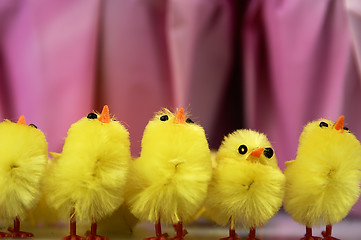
[[174, 133], [94, 129], [247, 145], [20, 135], [324, 127], [96, 120], [328, 140]]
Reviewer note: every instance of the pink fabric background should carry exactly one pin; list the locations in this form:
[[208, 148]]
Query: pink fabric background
[[270, 65]]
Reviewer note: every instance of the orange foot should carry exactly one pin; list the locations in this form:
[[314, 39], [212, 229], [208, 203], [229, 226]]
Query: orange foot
[[311, 238], [180, 235], [90, 236], [19, 234], [178, 238], [328, 237], [163, 236], [252, 238], [231, 238], [73, 237], [4, 235], [308, 235]]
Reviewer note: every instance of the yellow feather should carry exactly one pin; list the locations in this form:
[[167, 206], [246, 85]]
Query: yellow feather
[[89, 177], [289, 163], [170, 178], [323, 181], [244, 187], [42, 213], [23, 159], [55, 155]]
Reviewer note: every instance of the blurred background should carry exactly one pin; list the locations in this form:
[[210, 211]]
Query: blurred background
[[269, 65]]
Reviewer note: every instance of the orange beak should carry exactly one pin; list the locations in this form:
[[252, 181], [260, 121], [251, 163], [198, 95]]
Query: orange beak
[[257, 152], [339, 124], [21, 120], [179, 118], [104, 116]]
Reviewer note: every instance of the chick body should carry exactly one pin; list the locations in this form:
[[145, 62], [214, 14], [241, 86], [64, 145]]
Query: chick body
[[323, 181], [23, 160], [88, 179], [170, 178], [245, 188]]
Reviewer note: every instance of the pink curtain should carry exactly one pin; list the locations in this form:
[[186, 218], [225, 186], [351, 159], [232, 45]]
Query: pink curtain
[[48, 61], [299, 65], [270, 65], [153, 55]]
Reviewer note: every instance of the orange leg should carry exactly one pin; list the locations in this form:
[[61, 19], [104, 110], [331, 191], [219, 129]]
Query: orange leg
[[180, 231], [16, 233], [92, 234], [327, 234], [232, 231], [73, 235], [232, 235], [158, 233], [252, 234], [308, 235]]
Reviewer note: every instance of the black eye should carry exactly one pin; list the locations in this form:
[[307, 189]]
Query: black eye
[[242, 149], [92, 116], [189, 120], [164, 118], [33, 125], [268, 152], [323, 124], [346, 129]]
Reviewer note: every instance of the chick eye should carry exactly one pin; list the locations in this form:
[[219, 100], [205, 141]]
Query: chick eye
[[33, 125], [323, 124], [242, 149], [346, 129], [92, 116], [189, 120], [268, 152], [164, 118]]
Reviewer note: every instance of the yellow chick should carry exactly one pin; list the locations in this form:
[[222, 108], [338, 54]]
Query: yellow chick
[[169, 180], [323, 182], [23, 160], [87, 182], [247, 184]]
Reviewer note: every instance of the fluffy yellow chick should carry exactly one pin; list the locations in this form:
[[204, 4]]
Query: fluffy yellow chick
[[323, 181], [23, 159], [169, 180], [87, 182], [247, 184]]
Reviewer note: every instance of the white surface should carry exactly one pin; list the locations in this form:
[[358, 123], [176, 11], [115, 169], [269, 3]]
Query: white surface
[[281, 227]]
